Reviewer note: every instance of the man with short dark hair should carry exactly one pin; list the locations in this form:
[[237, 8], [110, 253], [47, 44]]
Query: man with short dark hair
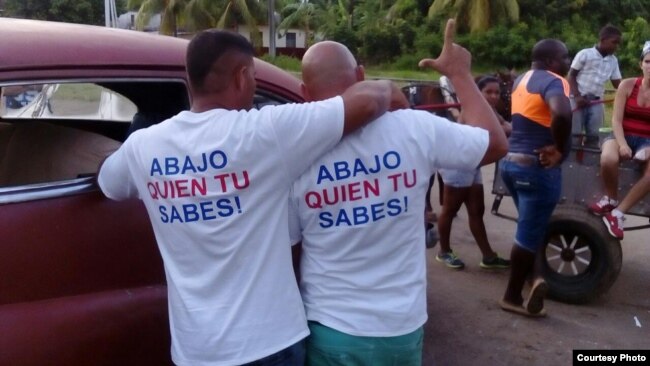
[[539, 142], [590, 70], [215, 181]]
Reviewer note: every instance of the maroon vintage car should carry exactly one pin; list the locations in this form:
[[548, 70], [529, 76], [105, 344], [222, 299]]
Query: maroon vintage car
[[81, 279]]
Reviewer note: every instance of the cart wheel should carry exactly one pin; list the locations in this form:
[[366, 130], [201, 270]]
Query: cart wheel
[[581, 260]]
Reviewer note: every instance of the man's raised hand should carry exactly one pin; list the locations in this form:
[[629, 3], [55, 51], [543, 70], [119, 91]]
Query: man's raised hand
[[454, 59]]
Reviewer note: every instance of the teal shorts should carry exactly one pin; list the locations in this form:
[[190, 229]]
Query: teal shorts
[[329, 347]]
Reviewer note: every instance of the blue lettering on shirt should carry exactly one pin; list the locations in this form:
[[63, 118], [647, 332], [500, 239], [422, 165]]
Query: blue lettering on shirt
[[341, 170]]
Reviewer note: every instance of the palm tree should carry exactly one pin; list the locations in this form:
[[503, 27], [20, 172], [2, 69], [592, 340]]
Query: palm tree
[[172, 13], [477, 15], [226, 14], [303, 14]]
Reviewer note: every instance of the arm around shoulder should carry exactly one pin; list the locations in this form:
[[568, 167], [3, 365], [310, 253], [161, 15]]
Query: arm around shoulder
[[366, 100]]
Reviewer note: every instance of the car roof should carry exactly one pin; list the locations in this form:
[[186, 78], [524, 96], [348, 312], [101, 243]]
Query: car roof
[[34, 48], [40, 44]]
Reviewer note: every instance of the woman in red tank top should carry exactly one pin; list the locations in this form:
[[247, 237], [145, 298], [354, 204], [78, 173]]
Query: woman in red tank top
[[630, 139]]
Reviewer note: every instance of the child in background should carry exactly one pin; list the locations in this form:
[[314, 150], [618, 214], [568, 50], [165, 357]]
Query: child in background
[[590, 70], [467, 187]]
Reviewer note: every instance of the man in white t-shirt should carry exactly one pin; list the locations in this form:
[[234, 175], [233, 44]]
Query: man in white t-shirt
[[215, 182], [358, 212]]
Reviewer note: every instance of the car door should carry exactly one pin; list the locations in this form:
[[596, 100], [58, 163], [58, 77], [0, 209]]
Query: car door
[[81, 278]]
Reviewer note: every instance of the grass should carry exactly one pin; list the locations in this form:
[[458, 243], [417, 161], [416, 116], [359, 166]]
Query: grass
[[84, 92], [404, 76]]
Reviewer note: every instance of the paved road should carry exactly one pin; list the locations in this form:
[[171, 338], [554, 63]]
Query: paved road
[[467, 327]]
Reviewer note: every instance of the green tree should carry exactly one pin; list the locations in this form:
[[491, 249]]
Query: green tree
[[635, 32], [71, 11], [230, 14], [171, 14], [28, 9], [477, 15], [74, 11], [302, 14]]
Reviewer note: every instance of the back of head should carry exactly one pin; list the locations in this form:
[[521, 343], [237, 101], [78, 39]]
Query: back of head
[[328, 69], [609, 31], [206, 48]]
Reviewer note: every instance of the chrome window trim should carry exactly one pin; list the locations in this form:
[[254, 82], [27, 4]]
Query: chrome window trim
[[32, 192], [91, 80]]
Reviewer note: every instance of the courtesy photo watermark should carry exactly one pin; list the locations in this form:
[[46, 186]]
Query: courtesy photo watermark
[[614, 357]]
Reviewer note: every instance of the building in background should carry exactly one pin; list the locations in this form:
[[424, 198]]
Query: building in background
[[293, 42]]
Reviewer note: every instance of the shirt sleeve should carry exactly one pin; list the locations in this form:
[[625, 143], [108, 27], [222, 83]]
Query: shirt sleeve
[[616, 73], [114, 176], [452, 145], [556, 86], [295, 229], [306, 131], [578, 61]]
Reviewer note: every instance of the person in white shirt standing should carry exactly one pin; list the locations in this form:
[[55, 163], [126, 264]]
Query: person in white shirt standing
[[590, 69], [358, 213], [215, 181]]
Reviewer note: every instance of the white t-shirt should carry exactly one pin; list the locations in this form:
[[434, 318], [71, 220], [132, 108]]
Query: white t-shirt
[[216, 186], [361, 210]]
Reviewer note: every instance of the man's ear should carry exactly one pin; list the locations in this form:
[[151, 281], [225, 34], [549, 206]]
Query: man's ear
[[239, 76], [361, 73], [305, 92]]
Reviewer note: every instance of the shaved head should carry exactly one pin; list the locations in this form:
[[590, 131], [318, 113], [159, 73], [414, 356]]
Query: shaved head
[[328, 69]]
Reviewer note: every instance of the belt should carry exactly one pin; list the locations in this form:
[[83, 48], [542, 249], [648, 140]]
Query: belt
[[522, 159]]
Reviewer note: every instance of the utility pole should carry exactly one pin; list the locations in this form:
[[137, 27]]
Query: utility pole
[[110, 13], [272, 28]]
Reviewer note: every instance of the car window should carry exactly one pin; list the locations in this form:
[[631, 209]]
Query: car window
[[262, 99], [83, 101], [54, 133]]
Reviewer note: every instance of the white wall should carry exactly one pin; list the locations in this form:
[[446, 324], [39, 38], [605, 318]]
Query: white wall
[[279, 41]]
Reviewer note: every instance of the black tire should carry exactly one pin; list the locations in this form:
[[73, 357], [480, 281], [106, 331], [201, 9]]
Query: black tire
[[581, 259]]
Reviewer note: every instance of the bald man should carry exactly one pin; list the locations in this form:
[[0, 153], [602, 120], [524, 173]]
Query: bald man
[[215, 181], [359, 211], [539, 142]]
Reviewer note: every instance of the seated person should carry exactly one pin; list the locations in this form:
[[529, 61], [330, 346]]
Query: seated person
[[630, 139]]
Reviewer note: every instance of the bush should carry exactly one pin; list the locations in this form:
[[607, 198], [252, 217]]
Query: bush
[[428, 43], [284, 62], [408, 61], [342, 34], [635, 33], [380, 43], [500, 46]]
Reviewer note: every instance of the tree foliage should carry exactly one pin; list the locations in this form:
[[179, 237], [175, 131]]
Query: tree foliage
[[71, 11], [499, 33], [477, 15]]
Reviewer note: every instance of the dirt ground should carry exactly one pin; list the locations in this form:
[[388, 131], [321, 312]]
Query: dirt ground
[[467, 327]]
